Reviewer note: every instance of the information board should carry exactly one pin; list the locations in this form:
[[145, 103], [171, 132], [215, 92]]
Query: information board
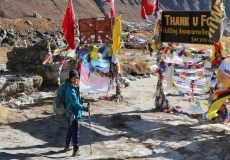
[[95, 30], [186, 27]]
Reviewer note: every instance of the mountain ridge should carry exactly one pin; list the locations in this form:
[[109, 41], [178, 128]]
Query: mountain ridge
[[130, 9]]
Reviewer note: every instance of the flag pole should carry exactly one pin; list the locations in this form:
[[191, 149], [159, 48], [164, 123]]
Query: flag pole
[[148, 8], [160, 98], [217, 16]]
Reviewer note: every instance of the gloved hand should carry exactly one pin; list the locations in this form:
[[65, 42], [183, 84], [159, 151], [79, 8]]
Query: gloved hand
[[88, 109]]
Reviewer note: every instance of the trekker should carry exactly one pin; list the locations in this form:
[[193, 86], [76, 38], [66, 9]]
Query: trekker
[[73, 102]]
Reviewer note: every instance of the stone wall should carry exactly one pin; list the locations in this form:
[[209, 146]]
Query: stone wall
[[29, 61], [12, 84]]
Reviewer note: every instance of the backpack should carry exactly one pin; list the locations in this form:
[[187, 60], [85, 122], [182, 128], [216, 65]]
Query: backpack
[[59, 100], [69, 113]]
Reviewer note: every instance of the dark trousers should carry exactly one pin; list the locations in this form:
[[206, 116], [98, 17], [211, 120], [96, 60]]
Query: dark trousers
[[73, 133]]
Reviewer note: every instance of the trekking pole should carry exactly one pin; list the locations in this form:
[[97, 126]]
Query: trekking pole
[[88, 105]]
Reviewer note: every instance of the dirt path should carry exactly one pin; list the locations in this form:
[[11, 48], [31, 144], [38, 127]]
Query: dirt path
[[127, 130]]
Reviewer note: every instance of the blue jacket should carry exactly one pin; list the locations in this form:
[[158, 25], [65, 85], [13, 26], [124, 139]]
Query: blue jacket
[[73, 101]]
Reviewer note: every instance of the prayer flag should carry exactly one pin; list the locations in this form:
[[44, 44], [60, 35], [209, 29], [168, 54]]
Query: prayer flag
[[117, 29], [68, 25], [143, 13], [219, 97], [149, 6], [92, 81], [215, 28], [111, 10]]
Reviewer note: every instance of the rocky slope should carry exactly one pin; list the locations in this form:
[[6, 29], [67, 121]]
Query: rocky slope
[[130, 9]]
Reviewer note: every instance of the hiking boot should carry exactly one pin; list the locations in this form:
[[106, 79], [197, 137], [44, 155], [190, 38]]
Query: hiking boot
[[66, 148], [76, 153]]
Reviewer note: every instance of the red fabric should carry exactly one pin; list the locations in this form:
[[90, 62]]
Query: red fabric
[[68, 25], [150, 6], [106, 74], [143, 14], [79, 67], [112, 12], [65, 49]]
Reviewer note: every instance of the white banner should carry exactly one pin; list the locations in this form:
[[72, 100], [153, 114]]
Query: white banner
[[168, 81], [89, 82]]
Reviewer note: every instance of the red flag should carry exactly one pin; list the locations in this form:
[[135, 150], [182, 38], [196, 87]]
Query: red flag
[[68, 25], [143, 14], [111, 10], [150, 7]]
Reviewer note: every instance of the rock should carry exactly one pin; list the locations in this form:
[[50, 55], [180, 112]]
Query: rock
[[12, 84], [22, 94], [38, 34], [132, 78], [17, 103], [12, 105], [23, 99], [49, 19], [123, 79], [11, 35], [1, 39], [29, 22], [127, 84], [3, 66], [36, 15]]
